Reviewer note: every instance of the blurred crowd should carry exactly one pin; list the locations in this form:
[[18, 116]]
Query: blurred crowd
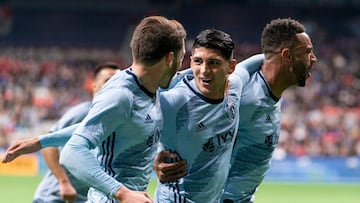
[[324, 117], [39, 84], [321, 119]]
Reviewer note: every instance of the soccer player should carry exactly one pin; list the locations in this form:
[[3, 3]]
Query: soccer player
[[124, 123], [58, 185], [288, 61], [201, 115], [125, 119]]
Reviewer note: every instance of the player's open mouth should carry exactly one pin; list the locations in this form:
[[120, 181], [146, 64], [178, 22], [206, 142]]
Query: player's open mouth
[[309, 72], [205, 81]]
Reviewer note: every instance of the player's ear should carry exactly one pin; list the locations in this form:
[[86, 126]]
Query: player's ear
[[93, 85], [285, 54], [169, 58], [232, 65]]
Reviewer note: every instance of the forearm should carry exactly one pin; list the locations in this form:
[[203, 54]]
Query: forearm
[[57, 138], [77, 158], [51, 158]]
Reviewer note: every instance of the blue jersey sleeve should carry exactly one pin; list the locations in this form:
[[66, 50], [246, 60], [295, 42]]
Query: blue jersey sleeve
[[110, 109], [252, 64], [57, 138], [107, 107], [247, 67]]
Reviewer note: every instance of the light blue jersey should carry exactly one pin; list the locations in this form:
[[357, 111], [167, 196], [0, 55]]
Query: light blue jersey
[[257, 138], [123, 127], [201, 131], [49, 190]]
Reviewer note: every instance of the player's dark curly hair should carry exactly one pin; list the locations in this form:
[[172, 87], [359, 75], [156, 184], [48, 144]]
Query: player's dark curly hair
[[279, 34]]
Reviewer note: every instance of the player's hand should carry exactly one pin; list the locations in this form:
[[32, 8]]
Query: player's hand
[[124, 195], [169, 172], [67, 192], [21, 147]]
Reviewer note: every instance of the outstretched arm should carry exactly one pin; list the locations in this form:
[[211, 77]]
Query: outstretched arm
[[31, 145], [21, 147]]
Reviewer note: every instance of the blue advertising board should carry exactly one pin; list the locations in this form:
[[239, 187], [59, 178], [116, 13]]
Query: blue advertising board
[[306, 169]]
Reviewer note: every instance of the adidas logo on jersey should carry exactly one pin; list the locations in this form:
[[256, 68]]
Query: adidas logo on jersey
[[268, 119], [200, 127], [148, 119]]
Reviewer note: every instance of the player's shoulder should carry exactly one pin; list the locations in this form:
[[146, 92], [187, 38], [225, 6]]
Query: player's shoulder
[[237, 82], [175, 96], [81, 108], [181, 85]]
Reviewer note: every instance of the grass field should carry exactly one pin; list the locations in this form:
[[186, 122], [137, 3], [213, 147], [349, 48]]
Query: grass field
[[20, 190]]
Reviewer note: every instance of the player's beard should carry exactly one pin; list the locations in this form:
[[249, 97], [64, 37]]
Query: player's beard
[[165, 81], [301, 73]]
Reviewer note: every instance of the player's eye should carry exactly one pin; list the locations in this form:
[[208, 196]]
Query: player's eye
[[309, 51], [197, 60], [214, 62]]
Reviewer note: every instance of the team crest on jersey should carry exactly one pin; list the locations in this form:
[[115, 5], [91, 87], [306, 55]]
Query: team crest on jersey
[[271, 140], [153, 138], [232, 110]]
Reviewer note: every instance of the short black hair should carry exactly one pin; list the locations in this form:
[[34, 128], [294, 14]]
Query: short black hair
[[215, 39], [101, 66]]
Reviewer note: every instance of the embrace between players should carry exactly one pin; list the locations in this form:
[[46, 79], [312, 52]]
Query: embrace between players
[[208, 132]]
